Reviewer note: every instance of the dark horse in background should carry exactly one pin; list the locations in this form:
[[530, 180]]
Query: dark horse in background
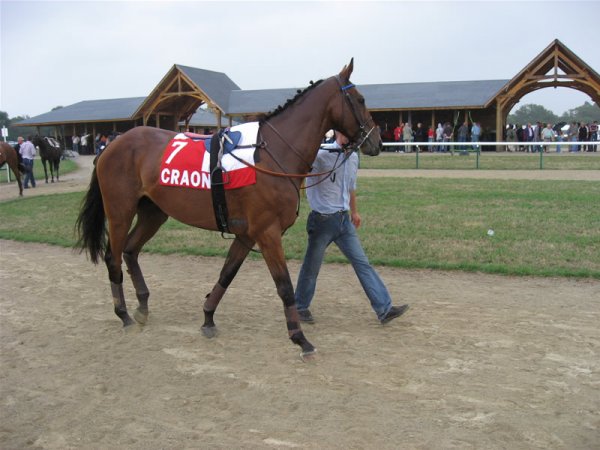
[[50, 151], [125, 183], [9, 156]]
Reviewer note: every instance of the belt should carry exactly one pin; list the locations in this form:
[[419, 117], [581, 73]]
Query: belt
[[341, 211]]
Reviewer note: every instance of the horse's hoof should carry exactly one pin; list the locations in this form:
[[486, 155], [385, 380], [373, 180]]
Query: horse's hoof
[[309, 356], [140, 317], [209, 332], [130, 328]]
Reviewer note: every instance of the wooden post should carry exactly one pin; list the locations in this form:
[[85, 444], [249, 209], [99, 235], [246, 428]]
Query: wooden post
[[499, 120]]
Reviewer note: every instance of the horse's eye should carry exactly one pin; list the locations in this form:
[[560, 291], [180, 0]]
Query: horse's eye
[[361, 100]]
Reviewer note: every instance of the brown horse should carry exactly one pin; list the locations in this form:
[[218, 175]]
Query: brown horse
[[9, 156], [125, 182]]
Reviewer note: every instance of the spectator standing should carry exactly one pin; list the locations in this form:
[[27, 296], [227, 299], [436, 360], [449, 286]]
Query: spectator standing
[[511, 136], [583, 135], [593, 136], [463, 132], [529, 135], [547, 136], [439, 137], [407, 135], [75, 139], [448, 134], [102, 143], [430, 138], [28, 152], [420, 134], [398, 135], [573, 133], [84, 143], [475, 134], [521, 136]]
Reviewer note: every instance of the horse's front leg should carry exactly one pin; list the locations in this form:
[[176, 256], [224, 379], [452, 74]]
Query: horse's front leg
[[274, 256], [238, 251]]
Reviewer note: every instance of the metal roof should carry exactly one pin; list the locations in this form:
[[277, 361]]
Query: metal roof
[[448, 94], [258, 101], [90, 111], [215, 85], [431, 95]]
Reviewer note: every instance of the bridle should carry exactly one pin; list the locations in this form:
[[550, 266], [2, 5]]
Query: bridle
[[363, 134]]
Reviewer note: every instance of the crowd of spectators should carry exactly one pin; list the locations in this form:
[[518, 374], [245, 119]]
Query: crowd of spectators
[[434, 140], [520, 135]]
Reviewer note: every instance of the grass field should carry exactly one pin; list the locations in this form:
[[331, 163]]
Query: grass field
[[543, 228], [487, 161], [66, 166]]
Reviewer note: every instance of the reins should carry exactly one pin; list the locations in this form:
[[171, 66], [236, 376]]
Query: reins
[[364, 135]]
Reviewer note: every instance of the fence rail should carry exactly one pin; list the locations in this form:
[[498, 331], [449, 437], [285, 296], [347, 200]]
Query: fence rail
[[475, 147]]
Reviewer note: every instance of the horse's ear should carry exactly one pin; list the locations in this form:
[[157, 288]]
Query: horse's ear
[[347, 71]]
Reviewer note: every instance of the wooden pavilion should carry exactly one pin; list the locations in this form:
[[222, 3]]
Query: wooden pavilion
[[198, 99]]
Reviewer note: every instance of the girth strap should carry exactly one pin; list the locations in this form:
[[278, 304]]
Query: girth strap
[[218, 179]]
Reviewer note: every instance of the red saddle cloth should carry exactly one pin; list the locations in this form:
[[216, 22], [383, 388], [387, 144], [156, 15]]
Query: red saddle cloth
[[186, 163]]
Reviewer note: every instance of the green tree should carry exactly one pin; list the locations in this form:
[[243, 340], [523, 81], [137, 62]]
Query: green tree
[[532, 113], [4, 120], [585, 113]]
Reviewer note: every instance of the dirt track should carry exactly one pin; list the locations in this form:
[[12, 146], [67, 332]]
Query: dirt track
[[479, 361]]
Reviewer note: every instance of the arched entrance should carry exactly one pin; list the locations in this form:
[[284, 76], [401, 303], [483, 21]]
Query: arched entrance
[[556, 66], [179, 95]]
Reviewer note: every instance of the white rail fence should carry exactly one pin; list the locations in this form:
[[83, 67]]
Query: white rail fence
[[475, 147], [468, 147]]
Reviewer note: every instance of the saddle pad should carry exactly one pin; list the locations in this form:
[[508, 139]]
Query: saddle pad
[[186, 163]]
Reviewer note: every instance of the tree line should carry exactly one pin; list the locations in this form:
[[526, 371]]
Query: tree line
[[532, 113]]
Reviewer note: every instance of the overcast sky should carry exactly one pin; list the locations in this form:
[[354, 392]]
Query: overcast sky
[[62, 52]]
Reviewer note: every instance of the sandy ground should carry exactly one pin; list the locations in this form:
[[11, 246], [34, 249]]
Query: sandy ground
[[479, 361]]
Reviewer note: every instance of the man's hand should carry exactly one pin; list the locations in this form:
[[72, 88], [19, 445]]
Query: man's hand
[[356, 219]]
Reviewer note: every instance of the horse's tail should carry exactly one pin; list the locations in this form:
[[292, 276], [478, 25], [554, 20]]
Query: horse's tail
[[90, 225]]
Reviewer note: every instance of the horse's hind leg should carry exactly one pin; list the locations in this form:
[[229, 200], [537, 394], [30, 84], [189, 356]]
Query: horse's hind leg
[[45, 169], [238, 251], [149, 219], [118, 231], [56, 166]]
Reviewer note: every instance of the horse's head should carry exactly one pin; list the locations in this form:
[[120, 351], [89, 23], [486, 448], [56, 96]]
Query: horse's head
[[351, 116], [38, 141]]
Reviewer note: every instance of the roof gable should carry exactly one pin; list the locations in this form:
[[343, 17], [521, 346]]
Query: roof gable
[[216, 85], [555, 66]]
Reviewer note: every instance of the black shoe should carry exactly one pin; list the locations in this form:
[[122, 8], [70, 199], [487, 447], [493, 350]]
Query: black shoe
[[306, 316], [395, 311]]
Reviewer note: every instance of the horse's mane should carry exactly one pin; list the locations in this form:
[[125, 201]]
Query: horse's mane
[[280, 108]]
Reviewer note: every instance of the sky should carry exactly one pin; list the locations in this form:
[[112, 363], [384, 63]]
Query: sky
[[57, 53]]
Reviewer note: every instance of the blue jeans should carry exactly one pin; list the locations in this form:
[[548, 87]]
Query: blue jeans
[[28, 164], [323, 230]]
